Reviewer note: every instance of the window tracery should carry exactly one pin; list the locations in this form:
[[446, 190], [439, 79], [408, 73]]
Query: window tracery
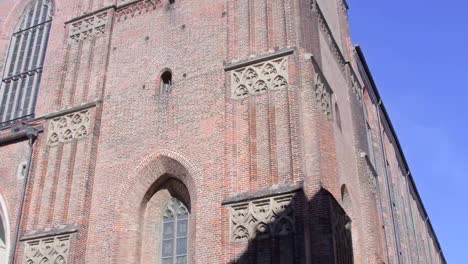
[[174, 248], [23, 71], [260, 77]]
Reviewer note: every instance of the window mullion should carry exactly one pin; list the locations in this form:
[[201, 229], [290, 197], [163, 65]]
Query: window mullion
[[23, 69], [9, 102], [19, 61], [41, 56], [3, 99], [18, 103], [25, 102], [19, 90], [176, 229], [37, 12]]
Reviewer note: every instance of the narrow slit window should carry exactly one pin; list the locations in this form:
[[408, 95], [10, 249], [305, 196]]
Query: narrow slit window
[[23, 69], [166, 82]]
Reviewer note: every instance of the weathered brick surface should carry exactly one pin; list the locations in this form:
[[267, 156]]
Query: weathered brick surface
[[202, 144]]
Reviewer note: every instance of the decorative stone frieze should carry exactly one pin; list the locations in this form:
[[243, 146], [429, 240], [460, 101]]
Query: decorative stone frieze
[[53, 249], [272, 216], [326, 31], [87, 27], [323, 95], [71, 126], [136, 8], [260, 77]]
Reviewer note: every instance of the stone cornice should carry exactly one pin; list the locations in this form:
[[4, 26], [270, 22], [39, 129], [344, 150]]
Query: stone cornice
[[264, 193], [56, 231], [134, 8], [243, 63]]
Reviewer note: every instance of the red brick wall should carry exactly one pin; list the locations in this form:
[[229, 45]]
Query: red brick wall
[[112, 182]]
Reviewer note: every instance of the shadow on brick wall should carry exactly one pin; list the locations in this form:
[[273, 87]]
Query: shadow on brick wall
[[320, 232]]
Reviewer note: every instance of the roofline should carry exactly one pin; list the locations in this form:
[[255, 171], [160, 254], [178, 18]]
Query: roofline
[[400, 150]]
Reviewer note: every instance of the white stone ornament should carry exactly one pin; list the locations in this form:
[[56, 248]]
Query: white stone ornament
[[71, 126], [47, 250], [323, 95], [88, 27], [271, 216], [260, 77]]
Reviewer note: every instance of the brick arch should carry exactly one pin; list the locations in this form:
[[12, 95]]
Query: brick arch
[[4, 232], [149, 177]]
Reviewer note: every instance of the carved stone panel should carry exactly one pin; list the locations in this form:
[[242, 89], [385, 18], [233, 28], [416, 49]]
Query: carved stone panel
[[273, 216], [47, 250], [88, 27], [259, 78], [323, 95], [67, 127], [132, 9]]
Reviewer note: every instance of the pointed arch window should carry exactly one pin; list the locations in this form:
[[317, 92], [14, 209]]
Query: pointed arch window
[[174, 248], [23, 69]]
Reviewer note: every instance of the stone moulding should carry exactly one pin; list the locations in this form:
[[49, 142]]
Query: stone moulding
[[257, 76], [92, 25], [67, 127], [322, 91], [134, 8]]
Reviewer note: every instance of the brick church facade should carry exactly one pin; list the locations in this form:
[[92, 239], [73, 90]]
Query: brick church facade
[[177, 131]]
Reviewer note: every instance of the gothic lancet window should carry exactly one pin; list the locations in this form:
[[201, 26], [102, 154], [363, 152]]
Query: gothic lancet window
[[174, 248], [23, 69]]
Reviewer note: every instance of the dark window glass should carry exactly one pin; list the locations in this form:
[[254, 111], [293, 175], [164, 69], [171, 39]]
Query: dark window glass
[[166, 82], [175, 233], [22, 75]]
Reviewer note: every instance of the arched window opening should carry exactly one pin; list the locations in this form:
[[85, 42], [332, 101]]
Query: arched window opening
[[23, 69], [166, 82], [175, 233]]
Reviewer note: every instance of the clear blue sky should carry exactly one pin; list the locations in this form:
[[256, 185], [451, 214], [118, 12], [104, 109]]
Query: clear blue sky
[[418, 53]]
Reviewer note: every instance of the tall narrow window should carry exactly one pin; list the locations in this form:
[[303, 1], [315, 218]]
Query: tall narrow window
[[23, 69], [174, 248], [166, 82]]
